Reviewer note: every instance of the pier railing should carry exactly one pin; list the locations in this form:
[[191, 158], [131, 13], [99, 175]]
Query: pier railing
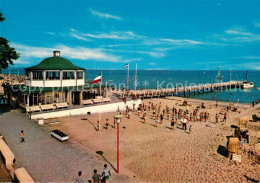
[[185, 90]]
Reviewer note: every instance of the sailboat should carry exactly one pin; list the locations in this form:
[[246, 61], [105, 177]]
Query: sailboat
[[246, 84], [219, 75]]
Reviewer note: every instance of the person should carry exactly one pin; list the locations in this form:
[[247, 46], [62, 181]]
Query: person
[[190, 129], [107, 123], [144, 117], [22, 137], [129, 114], [96, 178], [106, 173], [216, 118], [225, 117], [161, 119], [157, 120], [172, 124], [237, 100], [184, 124], [98, 126], [80, 178], [133, 107]]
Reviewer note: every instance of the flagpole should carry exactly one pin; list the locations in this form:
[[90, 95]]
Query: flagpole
[[100, 95], [135, 77], [128, 77]]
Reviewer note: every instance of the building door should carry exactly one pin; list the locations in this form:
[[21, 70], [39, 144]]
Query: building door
[[75, 98]]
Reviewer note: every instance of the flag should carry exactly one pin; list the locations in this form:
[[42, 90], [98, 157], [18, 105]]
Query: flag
[[127, 65], [97, 79]]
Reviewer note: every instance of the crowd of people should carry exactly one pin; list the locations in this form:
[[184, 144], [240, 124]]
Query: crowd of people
[[11, 79], [96, 178]]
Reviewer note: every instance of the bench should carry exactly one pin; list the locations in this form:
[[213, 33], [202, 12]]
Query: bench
[[97, 100], [6, 153], [33, 109], [47, 107], [62, 105], [22, 176], [106, 100], [87, 102]]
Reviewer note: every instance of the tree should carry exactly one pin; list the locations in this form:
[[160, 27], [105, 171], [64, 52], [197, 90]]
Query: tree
[[7, 53]]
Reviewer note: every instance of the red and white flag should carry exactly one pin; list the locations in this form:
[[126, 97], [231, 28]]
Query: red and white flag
[[97, 79], [127, 65]]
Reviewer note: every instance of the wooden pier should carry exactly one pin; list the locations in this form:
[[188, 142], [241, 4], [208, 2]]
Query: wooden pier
[[181, 91]]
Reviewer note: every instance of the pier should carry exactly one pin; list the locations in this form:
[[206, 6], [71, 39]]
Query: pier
[[181, 91]]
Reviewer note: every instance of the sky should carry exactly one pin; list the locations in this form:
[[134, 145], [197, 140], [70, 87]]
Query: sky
[[154, 34]]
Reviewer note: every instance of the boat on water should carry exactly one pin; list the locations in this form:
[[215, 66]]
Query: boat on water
[[258, 88], [246, 84]]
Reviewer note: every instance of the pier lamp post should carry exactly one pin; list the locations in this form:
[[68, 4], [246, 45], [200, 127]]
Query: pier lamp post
[[118, 120]]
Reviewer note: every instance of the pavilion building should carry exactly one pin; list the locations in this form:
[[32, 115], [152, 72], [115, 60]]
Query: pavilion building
[[54, 80]]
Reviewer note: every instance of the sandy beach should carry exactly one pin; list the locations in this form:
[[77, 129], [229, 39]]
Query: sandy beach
[[149, 153]]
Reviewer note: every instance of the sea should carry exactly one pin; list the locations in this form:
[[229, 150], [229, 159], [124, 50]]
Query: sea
[[155, 79]]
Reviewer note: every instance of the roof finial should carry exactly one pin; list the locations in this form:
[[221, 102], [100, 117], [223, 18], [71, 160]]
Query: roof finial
[[56, 53]]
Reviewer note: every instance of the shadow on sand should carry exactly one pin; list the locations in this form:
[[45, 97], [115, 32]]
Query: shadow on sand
[[222, 151]]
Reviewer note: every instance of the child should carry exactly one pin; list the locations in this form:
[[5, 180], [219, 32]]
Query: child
[[22, 137], [172, 124], [98, 126], [190, 129], [80, 178]]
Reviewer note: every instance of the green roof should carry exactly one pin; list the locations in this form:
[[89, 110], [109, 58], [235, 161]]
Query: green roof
[[55, 63]]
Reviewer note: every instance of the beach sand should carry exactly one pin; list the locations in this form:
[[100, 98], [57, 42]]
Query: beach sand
[[152, 154]]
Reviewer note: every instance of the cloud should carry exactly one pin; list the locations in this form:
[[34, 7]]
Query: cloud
[[81, 53], [104, 15], [123, 35], [152, 63], [79, 37], [51, 33], [20, 62], [235, 32]]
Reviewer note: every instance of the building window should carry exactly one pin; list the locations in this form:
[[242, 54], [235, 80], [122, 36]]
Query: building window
[[52, 75], [68, 75], [80, 75], [37, 75]]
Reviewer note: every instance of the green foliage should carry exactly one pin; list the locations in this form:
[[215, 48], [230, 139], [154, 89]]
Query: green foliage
[[7, 53]]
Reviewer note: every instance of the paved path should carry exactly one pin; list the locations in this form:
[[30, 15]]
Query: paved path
[[45, 158]]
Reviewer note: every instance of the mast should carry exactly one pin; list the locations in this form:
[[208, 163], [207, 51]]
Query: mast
[[135, 77], [230, 75], [246, 75], [128, 77], [219, 75]]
